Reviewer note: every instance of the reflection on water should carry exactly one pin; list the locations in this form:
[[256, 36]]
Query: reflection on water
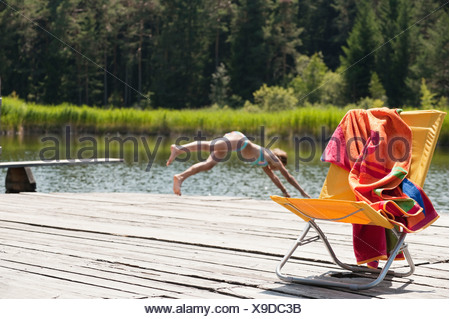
[[231, 178]]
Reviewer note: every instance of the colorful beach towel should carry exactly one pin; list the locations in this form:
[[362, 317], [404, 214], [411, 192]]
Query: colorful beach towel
[[375, 147]]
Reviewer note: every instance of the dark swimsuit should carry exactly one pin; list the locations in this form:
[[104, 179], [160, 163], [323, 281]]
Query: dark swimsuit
[[260, 161]]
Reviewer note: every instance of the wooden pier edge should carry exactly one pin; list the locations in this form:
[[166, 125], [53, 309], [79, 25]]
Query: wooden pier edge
[[138, 245], [20, 178]]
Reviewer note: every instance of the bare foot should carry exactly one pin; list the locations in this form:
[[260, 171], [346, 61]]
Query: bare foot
[[174, 151], [177, 185]]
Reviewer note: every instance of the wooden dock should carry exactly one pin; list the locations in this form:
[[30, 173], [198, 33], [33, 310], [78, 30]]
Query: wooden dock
[[118, 245]]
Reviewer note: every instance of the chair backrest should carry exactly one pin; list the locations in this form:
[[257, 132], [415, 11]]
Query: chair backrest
[[425, 126]]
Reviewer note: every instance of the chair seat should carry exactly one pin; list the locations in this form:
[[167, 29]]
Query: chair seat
[[334, 210]]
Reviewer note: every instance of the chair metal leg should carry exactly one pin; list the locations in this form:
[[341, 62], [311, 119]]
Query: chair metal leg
[[354, 268], [400, 246], [298, 242]]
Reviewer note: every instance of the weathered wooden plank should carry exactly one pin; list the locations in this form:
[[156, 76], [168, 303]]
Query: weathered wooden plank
[[194, 211], [189, 271], [283, 247], [223, 245], [19, 177], [70, 274], [141, 221], [437, 267], [158, 248], [169, 270], [186, 268], [71, 252], [227, 245], [126, 262], [60, 162], [16, 281], [190, 216]]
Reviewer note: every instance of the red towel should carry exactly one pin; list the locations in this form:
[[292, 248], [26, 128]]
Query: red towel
[[375, 147]]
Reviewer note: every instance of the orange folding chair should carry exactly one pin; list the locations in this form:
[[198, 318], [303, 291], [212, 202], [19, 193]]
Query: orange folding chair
[[337, 203]]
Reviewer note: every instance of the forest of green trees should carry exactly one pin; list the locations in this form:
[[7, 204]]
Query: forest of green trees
[[196, 53]]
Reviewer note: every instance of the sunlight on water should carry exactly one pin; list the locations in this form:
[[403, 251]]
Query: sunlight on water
[[231, 178]]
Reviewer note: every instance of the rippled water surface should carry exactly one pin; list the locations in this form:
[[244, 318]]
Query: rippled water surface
[[231, 178]]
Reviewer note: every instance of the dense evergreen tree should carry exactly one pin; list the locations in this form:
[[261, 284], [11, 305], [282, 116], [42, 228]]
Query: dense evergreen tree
[[284, 40], [220, 18], [321, 33], [358, 60], [168, 53], [345, 19], [430, 45], [394, 57], [23, 48], [181, 55], [249, 51]]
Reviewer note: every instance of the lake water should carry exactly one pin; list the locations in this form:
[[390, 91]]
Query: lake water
[[231, 178]]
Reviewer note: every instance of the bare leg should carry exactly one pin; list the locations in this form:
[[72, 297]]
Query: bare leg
[[176, 150], [194, 169], [221, 145]]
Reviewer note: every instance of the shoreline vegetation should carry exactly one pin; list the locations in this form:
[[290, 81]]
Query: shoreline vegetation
[[20, 117]]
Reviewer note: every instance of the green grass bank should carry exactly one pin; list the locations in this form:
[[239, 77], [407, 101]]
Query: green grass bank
[[19, 116]]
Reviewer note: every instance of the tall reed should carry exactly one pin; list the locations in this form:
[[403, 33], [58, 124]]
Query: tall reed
[[17, 115]]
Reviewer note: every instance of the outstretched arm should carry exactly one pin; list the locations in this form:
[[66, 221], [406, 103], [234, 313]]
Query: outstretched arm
[[292, 180], [276, 181]]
